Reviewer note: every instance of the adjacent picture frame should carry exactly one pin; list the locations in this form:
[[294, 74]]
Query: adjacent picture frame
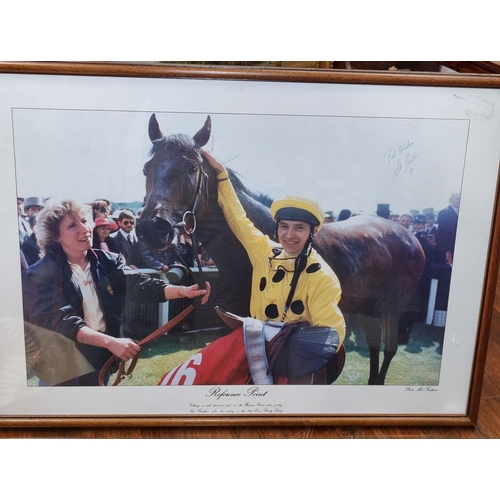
[[363, 141]]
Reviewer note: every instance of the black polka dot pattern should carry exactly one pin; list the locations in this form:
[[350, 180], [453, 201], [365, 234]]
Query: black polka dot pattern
[[271, 311], [263, 283], [278, 276], [297, 307], [313, 268]]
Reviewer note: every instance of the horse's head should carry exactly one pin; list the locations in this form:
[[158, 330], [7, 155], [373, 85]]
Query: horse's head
[[176, 185]]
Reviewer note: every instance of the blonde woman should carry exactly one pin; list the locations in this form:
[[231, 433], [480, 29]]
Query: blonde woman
[[79, 292]]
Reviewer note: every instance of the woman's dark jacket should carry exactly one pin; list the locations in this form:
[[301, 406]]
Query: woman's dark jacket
[[53, 300]]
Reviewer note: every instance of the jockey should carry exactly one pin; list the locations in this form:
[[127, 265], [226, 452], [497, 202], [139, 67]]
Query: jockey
[[291, 283], [317, 289]]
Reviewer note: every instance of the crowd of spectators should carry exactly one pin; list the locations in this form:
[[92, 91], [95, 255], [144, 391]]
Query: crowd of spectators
[[436, 233], [114, 231]]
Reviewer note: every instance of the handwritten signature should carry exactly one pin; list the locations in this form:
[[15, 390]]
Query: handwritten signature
[[403, 157], [420, 389]]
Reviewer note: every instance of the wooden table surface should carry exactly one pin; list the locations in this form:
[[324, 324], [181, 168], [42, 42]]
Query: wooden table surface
[[488, 425]]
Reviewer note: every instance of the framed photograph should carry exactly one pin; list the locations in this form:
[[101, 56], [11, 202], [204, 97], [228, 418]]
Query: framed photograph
[[214, 172]]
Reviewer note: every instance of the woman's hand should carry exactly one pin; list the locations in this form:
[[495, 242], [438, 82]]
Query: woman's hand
[[215, 164], [194, 291], [188, 292], [124, 349]]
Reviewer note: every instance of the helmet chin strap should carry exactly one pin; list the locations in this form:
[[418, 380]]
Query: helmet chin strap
[[300, 265]]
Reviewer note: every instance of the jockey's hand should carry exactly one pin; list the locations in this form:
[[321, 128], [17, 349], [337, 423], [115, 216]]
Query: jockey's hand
[[124, 349], [215, 164], [191, 292]]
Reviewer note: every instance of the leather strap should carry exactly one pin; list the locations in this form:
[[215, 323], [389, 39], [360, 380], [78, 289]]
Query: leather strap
[[124, 372]]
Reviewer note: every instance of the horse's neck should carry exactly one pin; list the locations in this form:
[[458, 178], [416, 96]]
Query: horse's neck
[[259, 214], [228, 253], [215, 230]]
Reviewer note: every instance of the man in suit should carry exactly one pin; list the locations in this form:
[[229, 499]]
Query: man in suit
[[447, 228], [431, 227], [126, 240], [136, 317], [24, 228]]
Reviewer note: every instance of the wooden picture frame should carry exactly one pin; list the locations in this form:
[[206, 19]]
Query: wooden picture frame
[[453, 119]]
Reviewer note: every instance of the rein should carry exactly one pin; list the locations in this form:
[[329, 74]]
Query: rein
[[126, 372]]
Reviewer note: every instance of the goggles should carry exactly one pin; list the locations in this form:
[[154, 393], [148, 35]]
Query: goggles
[[277, 263]]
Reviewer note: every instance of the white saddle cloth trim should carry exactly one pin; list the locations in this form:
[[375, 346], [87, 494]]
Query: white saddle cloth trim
[[255, 346], [271, 329]]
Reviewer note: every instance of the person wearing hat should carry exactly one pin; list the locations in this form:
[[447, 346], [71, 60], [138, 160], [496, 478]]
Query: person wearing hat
[[290, 281], [30, 247], [33, 205], [427, 241], [431, 227], [101, 238], [101, 208], [24, 227], [344, 214], [328, 217], [383, 210], [419, 223], [295, 326]]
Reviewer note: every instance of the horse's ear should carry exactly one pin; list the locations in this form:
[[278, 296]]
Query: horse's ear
[[201, 137], [154, 129]]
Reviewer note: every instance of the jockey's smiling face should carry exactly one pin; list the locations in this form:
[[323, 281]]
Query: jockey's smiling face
[[293, 235]]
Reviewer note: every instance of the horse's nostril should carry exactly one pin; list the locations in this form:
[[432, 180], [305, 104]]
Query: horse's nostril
[[161, 225], [154, 232]]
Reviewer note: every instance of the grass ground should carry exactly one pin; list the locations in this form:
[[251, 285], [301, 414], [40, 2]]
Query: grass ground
[[161, 355], [416, 363]]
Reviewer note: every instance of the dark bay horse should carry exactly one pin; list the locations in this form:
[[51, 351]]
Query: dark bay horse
[[378, 262]]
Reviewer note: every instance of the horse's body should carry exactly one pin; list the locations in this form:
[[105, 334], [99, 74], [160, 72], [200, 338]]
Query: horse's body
[[378, 262]]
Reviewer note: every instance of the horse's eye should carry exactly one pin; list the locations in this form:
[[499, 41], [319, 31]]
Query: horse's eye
[[192, 167]]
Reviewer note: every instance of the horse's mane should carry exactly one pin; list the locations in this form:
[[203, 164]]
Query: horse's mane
[[177, 141], [239, 186], [182, 141]]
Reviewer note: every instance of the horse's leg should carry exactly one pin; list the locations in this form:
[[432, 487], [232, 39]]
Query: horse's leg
[[390, 336], [373, 334], [388, 355]]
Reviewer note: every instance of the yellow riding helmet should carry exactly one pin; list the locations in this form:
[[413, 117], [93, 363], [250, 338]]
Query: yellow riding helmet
[[297, 208]]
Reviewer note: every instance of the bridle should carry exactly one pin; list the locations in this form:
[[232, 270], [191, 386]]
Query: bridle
[[202, 183], [125, 373]]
